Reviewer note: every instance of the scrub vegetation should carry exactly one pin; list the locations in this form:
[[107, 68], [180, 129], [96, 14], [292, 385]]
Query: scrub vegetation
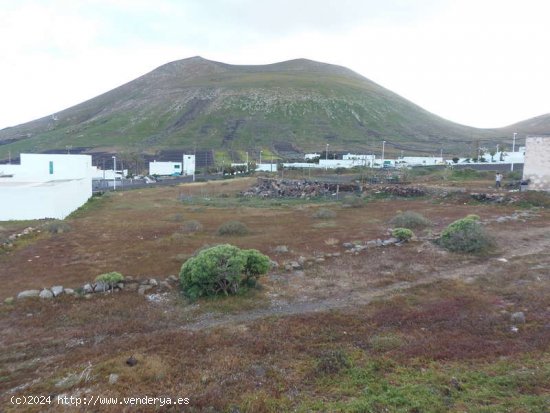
[[406, 328]]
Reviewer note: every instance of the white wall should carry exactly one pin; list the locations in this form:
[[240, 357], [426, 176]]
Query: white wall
[[39, 189], [188, 164], [266, 167], [165, 168], [31, 200], [537, 163], [422, 160]]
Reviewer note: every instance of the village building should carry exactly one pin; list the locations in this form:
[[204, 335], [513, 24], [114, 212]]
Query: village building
[[44, 186]]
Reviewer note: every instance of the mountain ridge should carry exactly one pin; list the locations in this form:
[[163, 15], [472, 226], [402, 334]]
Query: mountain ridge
[[196, 102]]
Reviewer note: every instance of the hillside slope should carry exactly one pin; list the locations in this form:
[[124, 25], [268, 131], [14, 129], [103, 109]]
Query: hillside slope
[[197, 103]]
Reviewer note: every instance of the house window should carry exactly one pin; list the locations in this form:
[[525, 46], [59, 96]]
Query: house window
[[51, 167], [176, 167]]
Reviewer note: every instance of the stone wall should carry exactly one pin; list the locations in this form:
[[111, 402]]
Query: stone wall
[[537, 163]]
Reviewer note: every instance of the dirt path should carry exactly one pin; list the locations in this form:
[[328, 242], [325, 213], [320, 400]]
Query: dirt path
[[534, 241]]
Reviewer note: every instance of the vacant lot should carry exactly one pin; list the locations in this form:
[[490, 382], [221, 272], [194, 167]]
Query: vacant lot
[[408, 328]]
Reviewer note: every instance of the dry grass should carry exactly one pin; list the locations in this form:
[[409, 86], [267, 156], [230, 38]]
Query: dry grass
[[390, 312]]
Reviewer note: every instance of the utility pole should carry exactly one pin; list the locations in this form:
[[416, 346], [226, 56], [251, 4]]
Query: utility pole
[[383, 149], [114, 173], [513, 150], [326, 157]]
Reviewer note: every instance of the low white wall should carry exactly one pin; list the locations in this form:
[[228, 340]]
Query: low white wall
[[537, 163], [32, 200]]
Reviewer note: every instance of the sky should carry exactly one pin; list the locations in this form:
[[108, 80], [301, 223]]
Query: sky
[[482, 63]]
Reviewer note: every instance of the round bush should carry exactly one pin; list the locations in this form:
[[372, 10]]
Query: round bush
[[411, 220], [465, 235], [403, 234], [324, 213], [57, 227], [110, 278], [191, 226], [223, 269], [233, 228]]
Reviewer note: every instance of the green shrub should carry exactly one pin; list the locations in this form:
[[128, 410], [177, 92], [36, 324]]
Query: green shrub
[[222, 269], [332, 361], [411, 220], [191, 226], [110, 278], [324, 213], [233, 228], [57, 227], [466, 235], [404, 234], [351, 201]]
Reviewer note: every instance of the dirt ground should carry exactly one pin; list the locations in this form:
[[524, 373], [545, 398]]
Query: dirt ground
[[258, 351]]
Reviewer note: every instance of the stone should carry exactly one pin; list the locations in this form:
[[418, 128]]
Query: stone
[[280, 249], [301, 260], [518, 317], [371, 243], [9, 300], [69, 291], [390, 241], [320, 259], [113, 378], [295, 265], [120, 286], [87, 289], [174, 279], [379, 242], [132, 361], [144, 288], [46, 294], [57, 290], [153, 282], [28, 294], [101, 287], [132, 287], [347, 245], [273, 264], [336, 254], [128, 278], [165, 285]]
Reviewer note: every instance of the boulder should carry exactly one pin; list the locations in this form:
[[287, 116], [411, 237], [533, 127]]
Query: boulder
[[280, 249], [165, 285], [87, 289], [28, 294], [100, 287], [153, 282], [173, 278], [57, 290], [113, 378], [69, 291], [144, 288], [45, 293], [518, 318]]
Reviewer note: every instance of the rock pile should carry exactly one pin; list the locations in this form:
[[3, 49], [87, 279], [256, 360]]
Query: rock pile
[[87, 290], [405, 191], [8, 242], [290, 188]]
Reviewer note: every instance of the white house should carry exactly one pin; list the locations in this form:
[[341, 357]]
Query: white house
[[310, 156], [165, 168], [421, 160], [44, 186], [537, 163]]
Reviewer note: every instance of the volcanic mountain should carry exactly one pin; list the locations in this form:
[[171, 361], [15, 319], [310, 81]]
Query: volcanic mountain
[[297, 105]]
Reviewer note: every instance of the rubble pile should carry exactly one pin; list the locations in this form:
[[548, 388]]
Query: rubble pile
[[271, 188], [495, 198], [397, 190]]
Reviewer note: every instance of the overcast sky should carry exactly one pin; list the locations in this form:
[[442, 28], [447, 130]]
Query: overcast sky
[[483, 63]]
